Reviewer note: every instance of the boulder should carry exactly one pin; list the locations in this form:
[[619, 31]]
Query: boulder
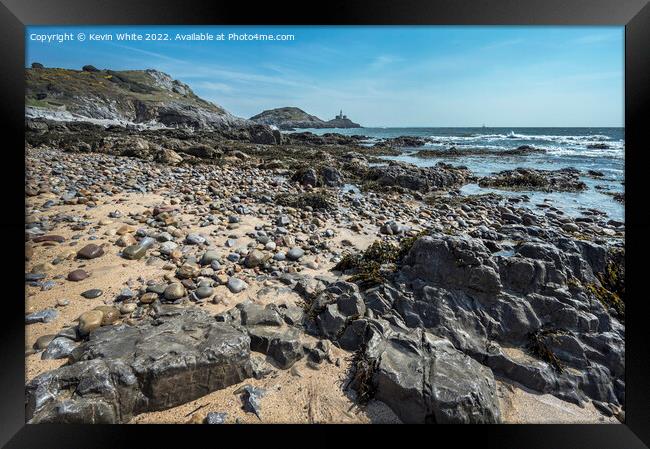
[[125, 370], [283, 345], [424, 379]]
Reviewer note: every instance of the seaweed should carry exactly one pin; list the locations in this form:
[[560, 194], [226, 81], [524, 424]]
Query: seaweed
[[317, 200], [538, 347], [611, 291], [361, 371], [368, 264], [407, 243], [610, 300]]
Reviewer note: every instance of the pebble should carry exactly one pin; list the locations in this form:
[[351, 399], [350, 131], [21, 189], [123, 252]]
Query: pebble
[[128, 308], [110, 314], [283, 221], [570, 227], [34, 276], [236, 285], [125, 293], [42, 342], [92, 293], [125, 229], [167, 247], [48, 285], [126, 240], [49, 238], [295, 253], [89, 321], [209, 256], [148, 297], [157, 288], [42, 268], [90, 251], [77, 275], [215, 418], [174, 291], [255, 258], [42, 316], [137, 251], [251, 398], [194, 239], [204, 292]]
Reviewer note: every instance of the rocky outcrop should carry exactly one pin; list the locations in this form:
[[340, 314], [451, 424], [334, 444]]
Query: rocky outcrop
[[169, 146], [289, 118], [341, 123], [424, 379], [422, 179], [453, 152], [537, 302], [403, 142], [124, 370], [310, 138], [540, 316], [564, 180], [421, 377], [141, 97]]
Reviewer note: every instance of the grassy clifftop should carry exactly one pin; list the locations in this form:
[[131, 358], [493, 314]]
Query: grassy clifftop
[[290, 116], [131, 95]]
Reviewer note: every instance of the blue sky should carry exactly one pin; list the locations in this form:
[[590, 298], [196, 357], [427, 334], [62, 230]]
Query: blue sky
[[382, 76]]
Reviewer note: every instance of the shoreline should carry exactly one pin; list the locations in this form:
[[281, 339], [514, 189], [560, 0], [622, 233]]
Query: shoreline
[[235, 197]]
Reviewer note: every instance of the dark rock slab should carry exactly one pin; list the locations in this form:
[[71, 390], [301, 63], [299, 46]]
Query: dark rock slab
[[125, 370], [424, 379], [255, 314], [408, 176]]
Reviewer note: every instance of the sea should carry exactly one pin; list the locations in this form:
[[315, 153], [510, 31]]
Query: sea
[[565, 147]]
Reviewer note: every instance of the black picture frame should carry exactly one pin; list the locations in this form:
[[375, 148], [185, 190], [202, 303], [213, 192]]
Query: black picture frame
[[633, 14]]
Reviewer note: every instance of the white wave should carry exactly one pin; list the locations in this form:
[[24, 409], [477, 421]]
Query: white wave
[[613, 152], [576, 145]]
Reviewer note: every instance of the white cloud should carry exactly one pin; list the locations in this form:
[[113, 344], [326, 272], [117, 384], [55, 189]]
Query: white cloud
[[597, 38]]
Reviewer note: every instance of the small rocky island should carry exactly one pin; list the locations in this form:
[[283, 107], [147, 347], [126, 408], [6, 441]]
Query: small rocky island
[[291, 118], [183, 265]]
